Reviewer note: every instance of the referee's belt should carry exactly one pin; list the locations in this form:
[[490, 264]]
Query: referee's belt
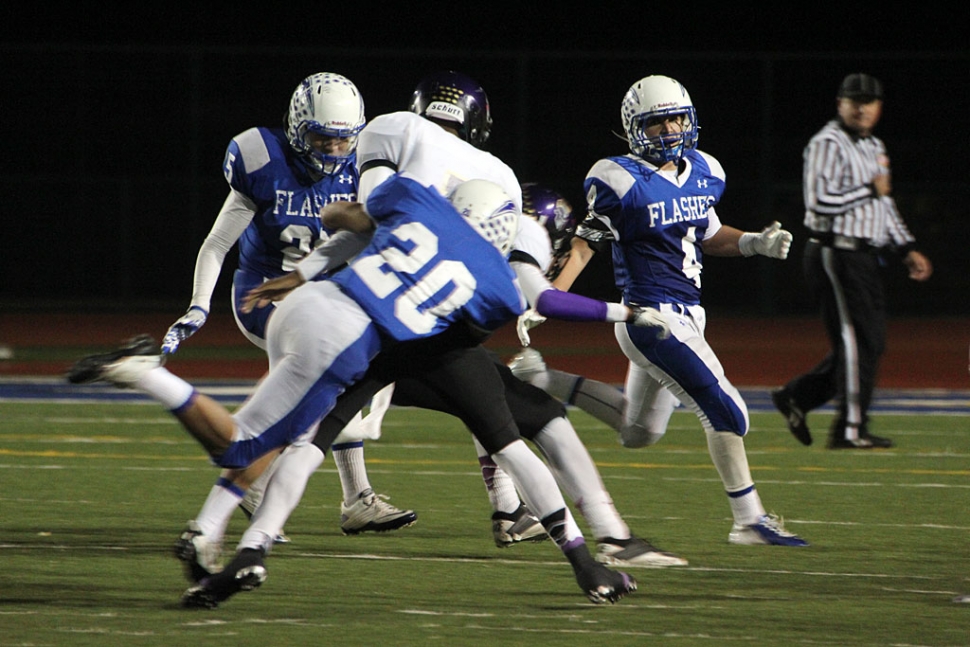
[[838, 241]]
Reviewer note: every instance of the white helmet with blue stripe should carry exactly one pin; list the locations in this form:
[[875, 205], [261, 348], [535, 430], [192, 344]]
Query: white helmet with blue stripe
[[650, 101], [331, 106]]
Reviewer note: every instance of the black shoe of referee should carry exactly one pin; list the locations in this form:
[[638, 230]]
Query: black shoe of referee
[[794, 416]]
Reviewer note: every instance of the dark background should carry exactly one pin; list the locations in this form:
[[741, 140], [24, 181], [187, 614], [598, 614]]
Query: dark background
[[115, 126]]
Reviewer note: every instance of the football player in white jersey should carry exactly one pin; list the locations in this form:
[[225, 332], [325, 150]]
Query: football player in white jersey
[[280, 179], [654, 208]]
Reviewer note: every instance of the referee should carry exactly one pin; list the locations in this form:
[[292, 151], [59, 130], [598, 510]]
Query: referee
[[853, 223]]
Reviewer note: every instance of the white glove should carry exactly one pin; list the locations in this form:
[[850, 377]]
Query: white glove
[[649, 317], [773, 242], [182, 329], [527, 320]]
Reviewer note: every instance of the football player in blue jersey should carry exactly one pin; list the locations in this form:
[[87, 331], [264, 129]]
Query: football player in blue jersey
[[279, 181], [654, 208], [542, 237], [426, 277]]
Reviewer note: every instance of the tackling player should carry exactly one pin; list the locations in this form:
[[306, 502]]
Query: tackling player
[[426, 277]]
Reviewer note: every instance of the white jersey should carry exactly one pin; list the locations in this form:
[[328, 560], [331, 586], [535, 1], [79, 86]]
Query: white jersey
[[532, 239], [408, 143]]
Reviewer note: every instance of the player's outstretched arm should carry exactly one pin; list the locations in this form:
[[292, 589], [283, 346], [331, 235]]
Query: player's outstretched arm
[[772, 241], [236, 214], [347, 215], [272, 290], [548, 301]]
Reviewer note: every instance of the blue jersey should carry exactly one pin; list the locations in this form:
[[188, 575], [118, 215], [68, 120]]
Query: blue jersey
[[656, 223], [260, 165], [426, 268]]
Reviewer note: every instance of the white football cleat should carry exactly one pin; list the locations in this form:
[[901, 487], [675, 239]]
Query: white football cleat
[[768, 530], [513, 527], [634, 552], [371, 513]]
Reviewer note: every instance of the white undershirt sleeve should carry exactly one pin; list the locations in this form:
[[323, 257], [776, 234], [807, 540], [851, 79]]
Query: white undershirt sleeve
[[532, 281], [339, 248], [369, 180], [236, 214]]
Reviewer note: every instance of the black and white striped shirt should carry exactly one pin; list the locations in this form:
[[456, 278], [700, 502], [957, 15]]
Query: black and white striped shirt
[[839, 195]]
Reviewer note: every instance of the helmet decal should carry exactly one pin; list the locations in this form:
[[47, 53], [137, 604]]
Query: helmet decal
[[488, 209], [455, 98]]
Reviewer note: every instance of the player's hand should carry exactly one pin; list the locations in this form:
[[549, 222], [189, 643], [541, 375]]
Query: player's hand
[[182, 329], [527, 321], [270, 291], [649, 317], [772, 241]]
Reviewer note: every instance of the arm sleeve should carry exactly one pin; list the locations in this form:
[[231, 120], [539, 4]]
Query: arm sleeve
[[372, 176], [556, 304], [339, 248], [236, 214]]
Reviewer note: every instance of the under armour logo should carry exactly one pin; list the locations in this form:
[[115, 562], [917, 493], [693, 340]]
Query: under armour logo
[[702, 184], [345, 179]]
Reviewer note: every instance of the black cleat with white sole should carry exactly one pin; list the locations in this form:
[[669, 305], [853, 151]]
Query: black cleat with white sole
[[245, 572]]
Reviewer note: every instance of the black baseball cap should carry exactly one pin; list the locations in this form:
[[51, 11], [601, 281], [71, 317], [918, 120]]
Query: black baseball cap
[[860, 87]]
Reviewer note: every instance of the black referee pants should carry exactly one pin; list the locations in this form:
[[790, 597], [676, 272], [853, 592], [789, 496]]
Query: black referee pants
[[848, 287]]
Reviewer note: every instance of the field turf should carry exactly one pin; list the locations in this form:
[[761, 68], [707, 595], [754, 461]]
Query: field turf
[[92, 496]]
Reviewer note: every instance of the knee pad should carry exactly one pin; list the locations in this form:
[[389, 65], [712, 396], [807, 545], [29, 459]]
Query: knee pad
[[633, 436]]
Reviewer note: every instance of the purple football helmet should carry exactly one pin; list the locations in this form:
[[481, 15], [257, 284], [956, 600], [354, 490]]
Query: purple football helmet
[[554, 213], [454, 97]]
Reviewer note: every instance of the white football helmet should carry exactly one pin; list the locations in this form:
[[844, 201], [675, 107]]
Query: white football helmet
[[329, 105], [651, 98], [489, 210]]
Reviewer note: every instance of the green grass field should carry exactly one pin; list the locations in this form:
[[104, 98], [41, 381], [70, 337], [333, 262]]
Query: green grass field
[[92, 497]]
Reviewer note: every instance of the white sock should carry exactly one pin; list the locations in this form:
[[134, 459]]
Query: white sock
[[171, 391], [282, 495], [349, 459], [577, 474], [498, 484], [214, 516], [731, 461]]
